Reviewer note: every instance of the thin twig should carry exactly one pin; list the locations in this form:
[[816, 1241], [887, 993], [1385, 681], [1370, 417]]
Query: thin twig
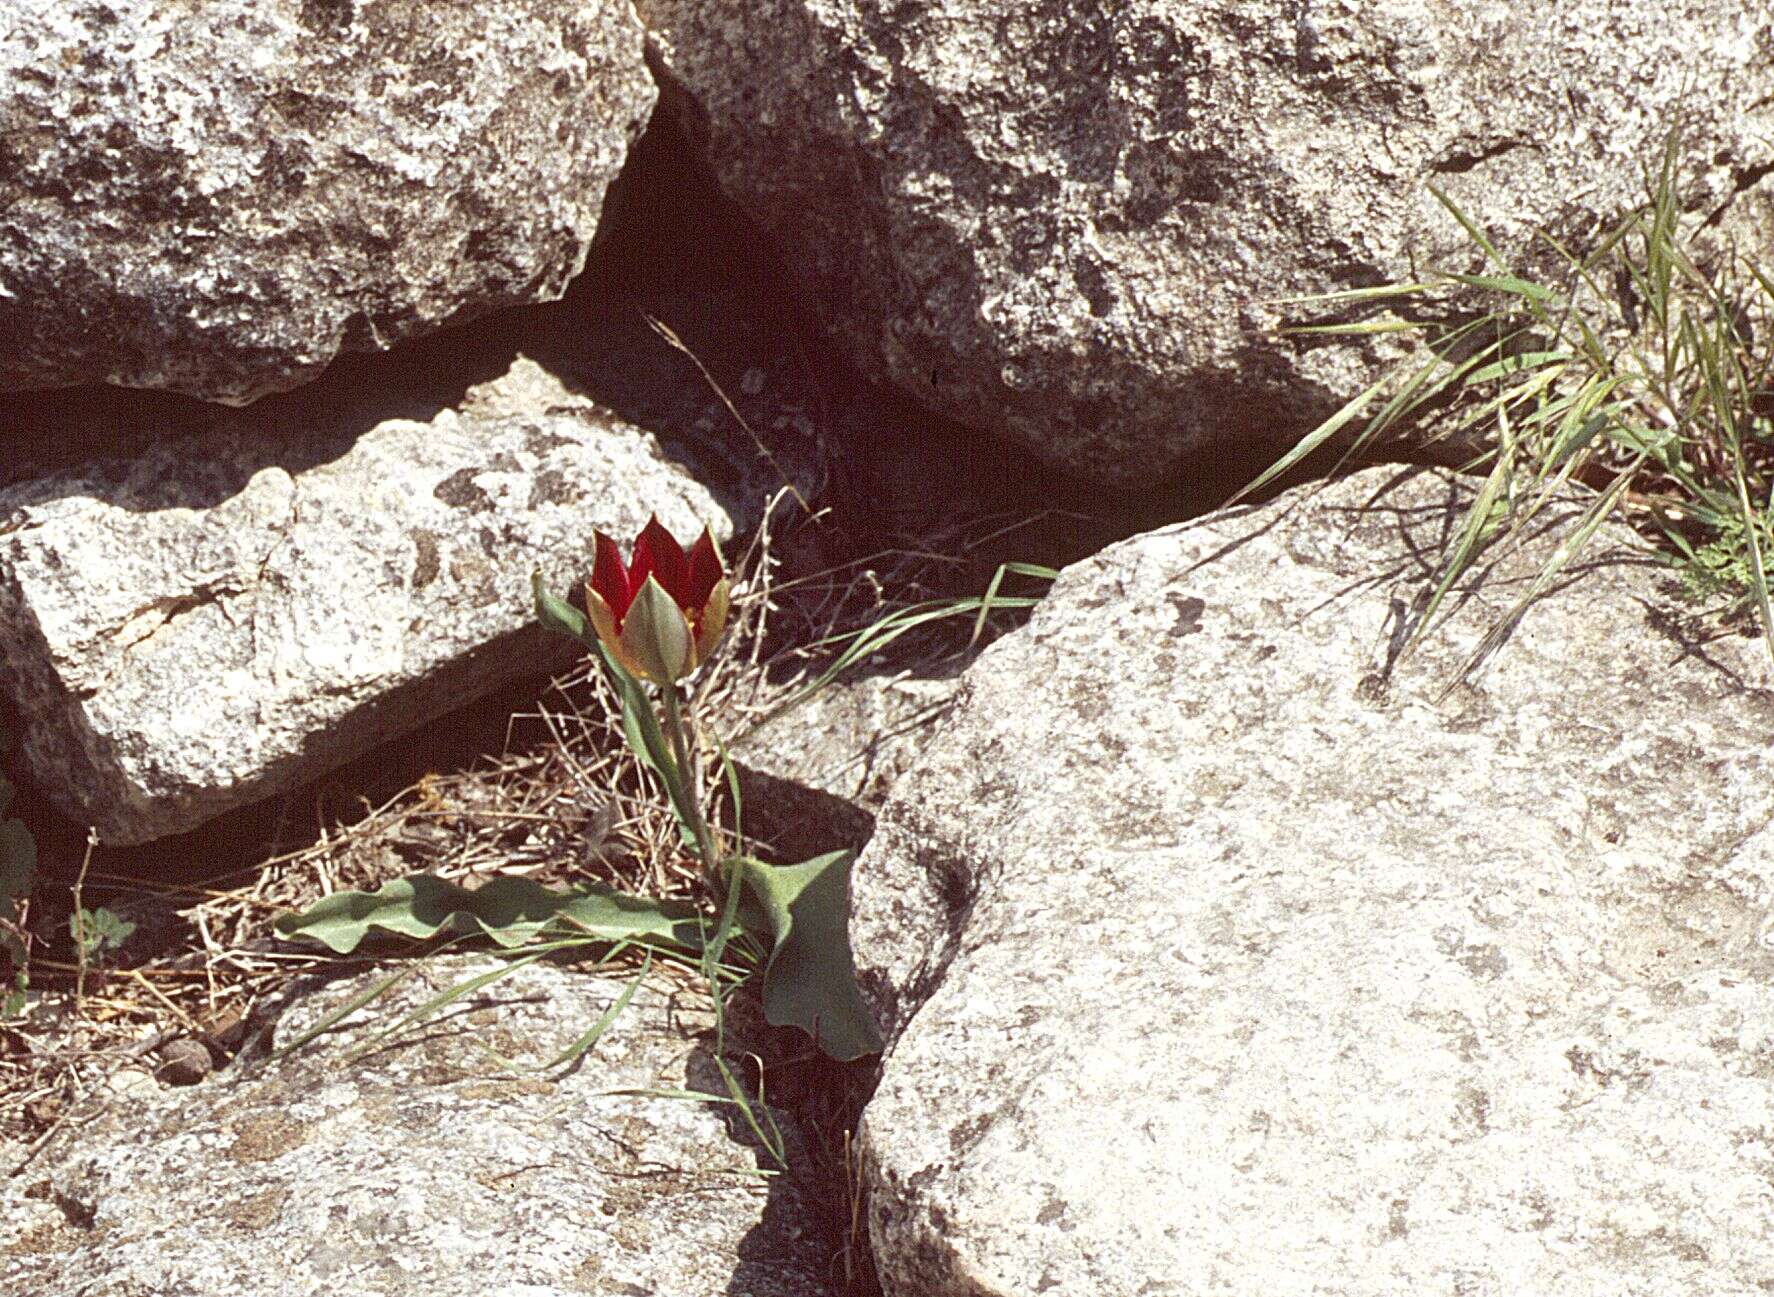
[[79, 923]]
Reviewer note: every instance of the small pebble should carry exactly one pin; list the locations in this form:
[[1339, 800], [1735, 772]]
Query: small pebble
[[183, 1062]]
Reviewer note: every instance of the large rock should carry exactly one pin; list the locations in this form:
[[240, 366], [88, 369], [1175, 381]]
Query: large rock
[[426, 1167], [1068, 223], [1227, 955], [218, 198], [236, 611]]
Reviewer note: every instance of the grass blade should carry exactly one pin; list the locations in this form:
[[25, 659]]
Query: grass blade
[[572, 1052], [344, 1011]]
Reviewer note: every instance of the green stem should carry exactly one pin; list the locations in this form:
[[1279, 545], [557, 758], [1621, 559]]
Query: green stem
[[674, 726]]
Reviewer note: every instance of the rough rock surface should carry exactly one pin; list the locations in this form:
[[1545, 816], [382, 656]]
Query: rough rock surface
[[1069, 223], [814, 775], [1227, 955], [218, 198], [424, 1167], [230, 614]]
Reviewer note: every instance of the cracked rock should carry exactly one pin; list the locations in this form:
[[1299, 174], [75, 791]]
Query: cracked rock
[[1069, 222], [236, 611], [218, 198], [1226, 953], [446, 1162]]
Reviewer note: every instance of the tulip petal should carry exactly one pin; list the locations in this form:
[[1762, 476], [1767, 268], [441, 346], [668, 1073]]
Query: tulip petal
[[705, 570], [658, 554], [603, 621], [656, 635], [711, 621], [609, 579]]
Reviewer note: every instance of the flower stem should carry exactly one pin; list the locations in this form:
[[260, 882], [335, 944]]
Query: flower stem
[[674, 726]]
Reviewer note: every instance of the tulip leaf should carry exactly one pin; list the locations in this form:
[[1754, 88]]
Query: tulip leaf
[[810, 980], [646, 739], [558, 615], [510, 910]]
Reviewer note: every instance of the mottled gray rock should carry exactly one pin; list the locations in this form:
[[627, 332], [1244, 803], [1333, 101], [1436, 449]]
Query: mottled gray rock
[[1227, 956], [814, 774], [218, 198], [425, 1167], [1069, 223], [233, 613]]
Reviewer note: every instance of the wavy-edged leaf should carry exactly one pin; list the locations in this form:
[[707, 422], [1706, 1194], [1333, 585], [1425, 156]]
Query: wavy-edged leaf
[[810, 979], [512, 911]]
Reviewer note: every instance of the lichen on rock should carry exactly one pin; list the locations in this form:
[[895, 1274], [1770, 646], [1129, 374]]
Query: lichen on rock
[[218, 198], [1226, 950], [243, 608], [439, 1163], [1070, 223]]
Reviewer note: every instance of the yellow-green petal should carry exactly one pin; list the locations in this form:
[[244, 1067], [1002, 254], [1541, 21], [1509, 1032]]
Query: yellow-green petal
[[656, 636], [714, 621]]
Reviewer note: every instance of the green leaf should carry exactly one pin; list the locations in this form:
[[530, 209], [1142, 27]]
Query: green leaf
[[1516, 362], [512, 911], [1358, 328], [1507, 284], [771, 1139], [1348, 295], [1472, 228], [1481, 522], [345, 1010], [878, 634], [639, 724], [98, 932], [1311, 441], [810, 980], [1758, 569], [439, 1002], [646, 739], [990, 601], [595, 1032], [557, 614]]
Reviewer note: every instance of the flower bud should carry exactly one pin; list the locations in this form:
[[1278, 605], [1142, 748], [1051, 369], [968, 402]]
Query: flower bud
[[661, 615]]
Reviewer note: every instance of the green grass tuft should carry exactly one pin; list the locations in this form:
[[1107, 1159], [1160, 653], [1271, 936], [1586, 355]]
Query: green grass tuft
[[1644, 372]]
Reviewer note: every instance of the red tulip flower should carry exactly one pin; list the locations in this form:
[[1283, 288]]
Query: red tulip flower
[[662, 614]]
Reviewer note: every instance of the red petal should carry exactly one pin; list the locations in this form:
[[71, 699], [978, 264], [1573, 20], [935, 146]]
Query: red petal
[[705, 570], [609, 578], [657, 553]]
